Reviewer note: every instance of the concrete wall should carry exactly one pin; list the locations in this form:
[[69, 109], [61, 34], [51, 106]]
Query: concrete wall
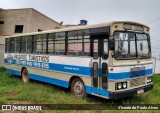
[[30, 18], [15, 17], [40, 21]]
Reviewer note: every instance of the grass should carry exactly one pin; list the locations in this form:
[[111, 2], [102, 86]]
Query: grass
[[14, 91]]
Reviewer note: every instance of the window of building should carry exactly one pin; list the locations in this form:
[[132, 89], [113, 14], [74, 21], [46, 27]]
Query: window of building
[[1, 22], [18, 29], [39, 30]]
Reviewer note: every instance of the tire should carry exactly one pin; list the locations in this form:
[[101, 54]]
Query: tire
[[25, 77], [78, 88]]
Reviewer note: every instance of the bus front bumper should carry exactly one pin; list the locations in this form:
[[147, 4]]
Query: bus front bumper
[[129, 93]]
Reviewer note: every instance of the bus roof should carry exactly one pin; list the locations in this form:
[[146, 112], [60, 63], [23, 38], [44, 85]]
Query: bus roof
[[78, 28]]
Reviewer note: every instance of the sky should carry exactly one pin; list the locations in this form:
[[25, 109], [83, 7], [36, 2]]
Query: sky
[[98, 11]]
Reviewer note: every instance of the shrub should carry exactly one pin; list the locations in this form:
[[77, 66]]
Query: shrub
[[2, 69]]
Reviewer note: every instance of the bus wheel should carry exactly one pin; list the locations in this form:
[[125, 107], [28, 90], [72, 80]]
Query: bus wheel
[[25, 77], [78, 88]]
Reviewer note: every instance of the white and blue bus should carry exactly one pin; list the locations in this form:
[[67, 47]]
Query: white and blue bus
[[110, 60]]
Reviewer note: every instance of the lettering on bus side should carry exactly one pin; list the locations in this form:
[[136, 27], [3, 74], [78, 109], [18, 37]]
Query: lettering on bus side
[[20, 57], [38, 61], [37, 58]]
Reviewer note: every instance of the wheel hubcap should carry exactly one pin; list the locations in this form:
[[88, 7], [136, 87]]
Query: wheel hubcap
[[25, 77], [78, 88]]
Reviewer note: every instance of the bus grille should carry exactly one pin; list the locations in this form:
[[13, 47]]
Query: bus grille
[[137, 81]]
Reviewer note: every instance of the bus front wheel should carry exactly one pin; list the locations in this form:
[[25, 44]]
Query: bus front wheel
[[25, 77], [78, 88]]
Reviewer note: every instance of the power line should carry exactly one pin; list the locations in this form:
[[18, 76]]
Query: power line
[[153, 21]]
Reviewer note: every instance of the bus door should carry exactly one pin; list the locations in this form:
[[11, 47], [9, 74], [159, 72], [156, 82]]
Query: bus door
[[99, 64]]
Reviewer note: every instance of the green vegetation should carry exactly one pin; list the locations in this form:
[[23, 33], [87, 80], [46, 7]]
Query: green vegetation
[[14, 91]]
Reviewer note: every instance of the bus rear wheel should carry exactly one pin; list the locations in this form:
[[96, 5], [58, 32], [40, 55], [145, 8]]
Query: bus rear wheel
[[25, 77], [78, 88]]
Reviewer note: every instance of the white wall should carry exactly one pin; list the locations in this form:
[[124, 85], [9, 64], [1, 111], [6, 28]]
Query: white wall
[[156, 65]]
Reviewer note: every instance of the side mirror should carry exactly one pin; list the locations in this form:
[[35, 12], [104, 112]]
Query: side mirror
[[111, 44]]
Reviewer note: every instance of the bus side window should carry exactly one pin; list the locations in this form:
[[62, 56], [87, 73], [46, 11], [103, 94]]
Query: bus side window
[[7, 45], [105, 49], [79, 43], [86, 42], [56, 43], [13, 45], [95, 74], [29, 44], [39, 43], [104, 75], [59, 43], [35, 49], [17, 44], [51, 43], [95, 49], [74, 43], [23, 44]]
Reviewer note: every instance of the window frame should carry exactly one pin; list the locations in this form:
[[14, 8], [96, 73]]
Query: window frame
[[148, 39], [19, 30]]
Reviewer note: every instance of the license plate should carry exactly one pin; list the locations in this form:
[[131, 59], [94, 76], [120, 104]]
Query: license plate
[[140, 91]]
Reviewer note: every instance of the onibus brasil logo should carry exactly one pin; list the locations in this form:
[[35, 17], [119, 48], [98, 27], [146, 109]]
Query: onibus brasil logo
[[9, 58]]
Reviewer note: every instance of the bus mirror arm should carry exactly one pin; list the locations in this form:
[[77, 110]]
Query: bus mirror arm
[[111, 44]]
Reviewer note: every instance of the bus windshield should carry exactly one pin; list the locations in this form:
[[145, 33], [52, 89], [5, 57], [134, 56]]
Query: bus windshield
[[130, 45]]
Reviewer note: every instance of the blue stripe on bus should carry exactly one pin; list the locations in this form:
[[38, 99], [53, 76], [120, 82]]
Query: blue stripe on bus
[[13, 72], [49, 80], [41, 78], [62, 83], [104, 92], [97, 91], [124, 75], [88, 90], [71, 69], [87, 71]]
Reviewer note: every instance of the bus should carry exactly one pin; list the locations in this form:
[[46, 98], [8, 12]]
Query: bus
[[109, 60]]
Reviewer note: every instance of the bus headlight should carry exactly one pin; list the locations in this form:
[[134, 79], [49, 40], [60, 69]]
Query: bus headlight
[[121, 85], [149, 80], [124, 84]]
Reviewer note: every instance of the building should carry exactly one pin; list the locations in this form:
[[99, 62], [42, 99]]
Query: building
[[15, 21]]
